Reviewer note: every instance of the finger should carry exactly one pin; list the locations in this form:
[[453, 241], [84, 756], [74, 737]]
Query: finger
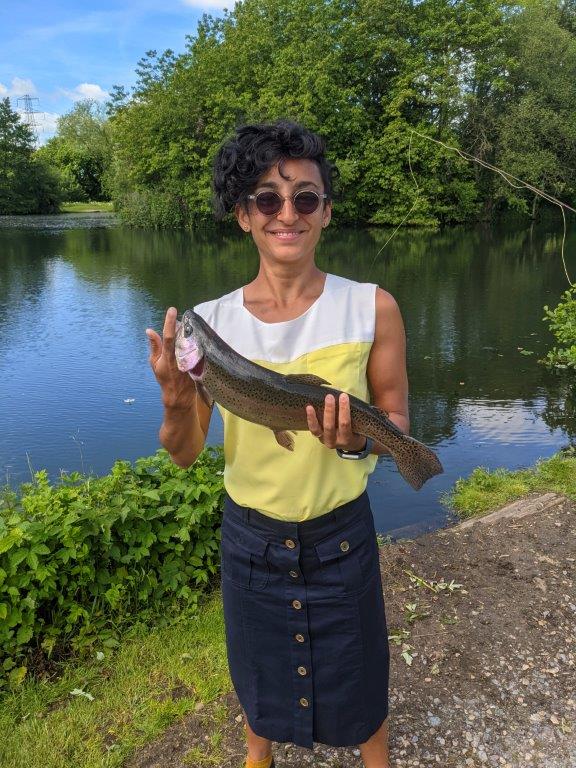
[[155, 345], [169, 330], [344, 418], [329, 425], [313, 423]]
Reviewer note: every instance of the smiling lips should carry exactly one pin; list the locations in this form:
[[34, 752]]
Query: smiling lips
[[284, 234]]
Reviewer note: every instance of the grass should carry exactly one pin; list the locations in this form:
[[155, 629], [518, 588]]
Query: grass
[[44, 726], [157, 676], [484, 491], [83, 207]]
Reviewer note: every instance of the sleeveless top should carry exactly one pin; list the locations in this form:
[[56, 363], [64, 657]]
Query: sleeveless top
[[332, 339]]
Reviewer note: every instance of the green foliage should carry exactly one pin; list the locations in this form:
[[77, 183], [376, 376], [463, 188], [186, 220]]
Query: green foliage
[[537, 127], [81, 560], [562, 322], [153, 678], [81, 153], [485, 491], [26, 184], [362, 74], [493, 79]]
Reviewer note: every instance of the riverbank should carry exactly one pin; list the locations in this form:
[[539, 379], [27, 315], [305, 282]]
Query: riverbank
[[89, 207], [481, 622]]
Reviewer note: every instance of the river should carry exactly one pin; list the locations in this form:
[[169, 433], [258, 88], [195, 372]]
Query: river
[[78, 290]]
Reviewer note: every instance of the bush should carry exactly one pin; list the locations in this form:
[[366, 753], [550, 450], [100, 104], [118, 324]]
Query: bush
[[86, 558], [562, 322], [153, 209]]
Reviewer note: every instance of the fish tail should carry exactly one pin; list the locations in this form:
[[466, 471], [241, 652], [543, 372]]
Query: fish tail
[[416, 462]]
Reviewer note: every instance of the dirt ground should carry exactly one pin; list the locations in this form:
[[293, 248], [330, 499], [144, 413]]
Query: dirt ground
[[483, 655]]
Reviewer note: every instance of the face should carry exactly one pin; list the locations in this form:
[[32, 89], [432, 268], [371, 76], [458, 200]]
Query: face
[[287, 236]]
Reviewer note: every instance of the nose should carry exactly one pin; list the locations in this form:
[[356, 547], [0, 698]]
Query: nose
[[288, 212]]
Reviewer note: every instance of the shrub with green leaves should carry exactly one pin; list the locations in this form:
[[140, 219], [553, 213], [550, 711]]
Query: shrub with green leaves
[[562, 322], [85, 558]]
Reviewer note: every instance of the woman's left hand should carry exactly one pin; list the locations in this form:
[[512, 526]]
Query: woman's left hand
[[335, 431]]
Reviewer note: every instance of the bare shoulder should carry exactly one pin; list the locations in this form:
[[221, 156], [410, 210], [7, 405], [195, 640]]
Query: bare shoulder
[[388, 316]]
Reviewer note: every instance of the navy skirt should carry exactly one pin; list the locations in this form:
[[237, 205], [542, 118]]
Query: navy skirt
[[305, 625]]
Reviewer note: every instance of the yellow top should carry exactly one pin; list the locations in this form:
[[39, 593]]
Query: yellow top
[[332, 339]]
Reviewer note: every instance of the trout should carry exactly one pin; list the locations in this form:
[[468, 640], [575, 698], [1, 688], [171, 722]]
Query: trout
[[278, 401]]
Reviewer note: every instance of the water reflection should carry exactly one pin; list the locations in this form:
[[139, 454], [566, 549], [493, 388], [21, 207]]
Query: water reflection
[[78, 393]]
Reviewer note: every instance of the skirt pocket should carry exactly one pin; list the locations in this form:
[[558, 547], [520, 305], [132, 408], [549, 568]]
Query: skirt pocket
[[244, 560], [347, 559]]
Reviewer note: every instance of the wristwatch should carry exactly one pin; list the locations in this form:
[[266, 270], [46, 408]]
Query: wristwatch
[[366, 451]]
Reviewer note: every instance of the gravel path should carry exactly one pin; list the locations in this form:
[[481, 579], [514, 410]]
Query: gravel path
[[483, 655]]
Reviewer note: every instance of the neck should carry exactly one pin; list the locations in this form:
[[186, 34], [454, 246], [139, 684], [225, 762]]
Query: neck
[[285, 285]]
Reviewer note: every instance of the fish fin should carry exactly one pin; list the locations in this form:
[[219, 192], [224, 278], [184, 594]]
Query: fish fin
[[306, 378], [284, 439], [204, 394]]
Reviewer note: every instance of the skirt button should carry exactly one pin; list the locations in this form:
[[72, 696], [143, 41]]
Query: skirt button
[[302, 671], [344, 546], [290, 544], [296, 604], [304, 703]]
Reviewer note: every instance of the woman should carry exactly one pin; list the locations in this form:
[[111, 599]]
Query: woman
[[305, 625]]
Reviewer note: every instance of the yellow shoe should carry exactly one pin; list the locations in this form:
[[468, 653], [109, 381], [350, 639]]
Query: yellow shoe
[[260, 763]]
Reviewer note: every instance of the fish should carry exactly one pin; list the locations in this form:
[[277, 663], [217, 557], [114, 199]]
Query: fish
[[278, 401]]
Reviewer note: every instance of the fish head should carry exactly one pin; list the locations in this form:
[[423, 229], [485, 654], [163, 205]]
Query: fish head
[[188, 346]]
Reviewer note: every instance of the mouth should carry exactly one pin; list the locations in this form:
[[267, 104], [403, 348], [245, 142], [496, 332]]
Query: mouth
[[286, 235], [198, 369]]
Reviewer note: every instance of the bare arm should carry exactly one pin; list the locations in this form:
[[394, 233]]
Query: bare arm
[[387, 380], [386, 371], [186, 416]]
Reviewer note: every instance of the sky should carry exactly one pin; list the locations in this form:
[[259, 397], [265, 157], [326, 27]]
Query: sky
[[60, 51]]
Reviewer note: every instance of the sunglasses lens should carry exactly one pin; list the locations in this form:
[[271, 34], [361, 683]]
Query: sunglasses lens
[[306, 202], [268, 203]]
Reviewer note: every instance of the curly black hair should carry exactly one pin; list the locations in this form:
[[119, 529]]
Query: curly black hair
[[253, 150]]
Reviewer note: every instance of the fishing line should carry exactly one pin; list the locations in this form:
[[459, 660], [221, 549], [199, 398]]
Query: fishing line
[[509, 178], [416, 199]]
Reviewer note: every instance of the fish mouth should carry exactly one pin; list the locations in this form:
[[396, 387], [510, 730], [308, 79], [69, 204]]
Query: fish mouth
[[198, 369]]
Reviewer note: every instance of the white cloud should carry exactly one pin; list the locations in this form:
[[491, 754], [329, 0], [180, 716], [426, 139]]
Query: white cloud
[[45, 124], [205, 5], [22, 86], [87, 91]]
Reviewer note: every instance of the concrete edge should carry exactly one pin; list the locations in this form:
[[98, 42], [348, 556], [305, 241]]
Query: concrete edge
[[516, 509]]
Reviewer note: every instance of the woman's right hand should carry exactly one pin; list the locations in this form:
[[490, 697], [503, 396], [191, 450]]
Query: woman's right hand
[[178, 390]]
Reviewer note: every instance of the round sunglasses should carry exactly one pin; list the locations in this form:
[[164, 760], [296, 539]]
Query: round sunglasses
[[270, 203]]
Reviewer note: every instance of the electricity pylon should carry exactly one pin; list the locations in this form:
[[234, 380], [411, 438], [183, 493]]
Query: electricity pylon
[[29, 114]]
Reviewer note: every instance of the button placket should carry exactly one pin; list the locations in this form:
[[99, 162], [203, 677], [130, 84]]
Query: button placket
[[301, 654]]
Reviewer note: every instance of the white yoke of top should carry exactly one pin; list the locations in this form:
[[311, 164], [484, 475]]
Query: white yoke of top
[[332, 339]]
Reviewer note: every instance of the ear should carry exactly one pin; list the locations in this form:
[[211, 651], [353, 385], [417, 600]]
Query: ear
[[242, 217], [327, 213]]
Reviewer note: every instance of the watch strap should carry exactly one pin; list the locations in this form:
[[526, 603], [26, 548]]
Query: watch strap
[[355, 455]]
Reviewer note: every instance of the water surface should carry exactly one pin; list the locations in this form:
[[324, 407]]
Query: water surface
[[77, 292]]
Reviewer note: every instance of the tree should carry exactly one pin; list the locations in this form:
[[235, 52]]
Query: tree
[[81, 152], [537, 130], [493, 78], [26, 184]]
